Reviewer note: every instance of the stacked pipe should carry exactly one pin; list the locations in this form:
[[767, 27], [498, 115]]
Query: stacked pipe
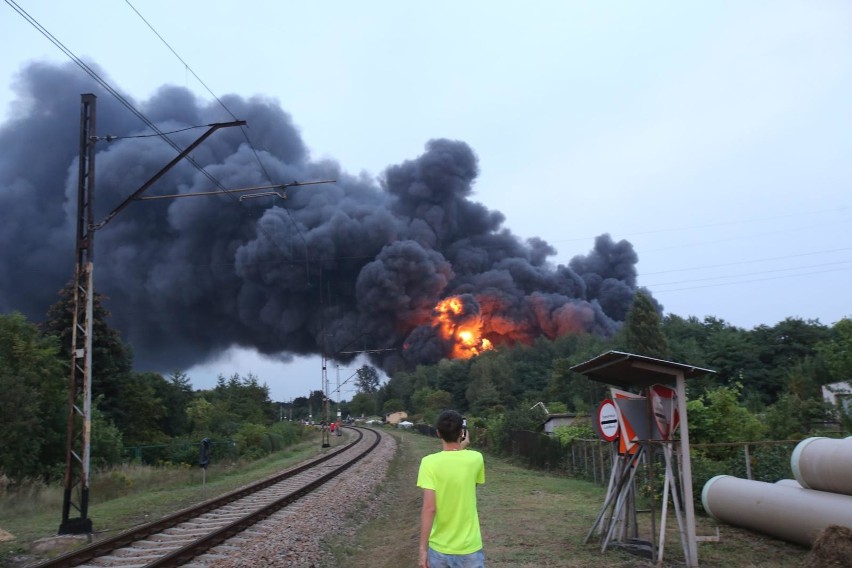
[[795, 511]]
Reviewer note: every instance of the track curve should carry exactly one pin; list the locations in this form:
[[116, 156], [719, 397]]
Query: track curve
[[177, 539]]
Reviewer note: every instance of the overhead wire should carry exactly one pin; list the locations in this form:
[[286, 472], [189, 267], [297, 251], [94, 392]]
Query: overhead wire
[[769, 259], [164, 135], [712, 225], [243, 129], [656, 286], [127, 104], [103, 83], [111, 137]]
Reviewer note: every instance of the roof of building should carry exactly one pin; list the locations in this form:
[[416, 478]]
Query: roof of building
[[628, 369]]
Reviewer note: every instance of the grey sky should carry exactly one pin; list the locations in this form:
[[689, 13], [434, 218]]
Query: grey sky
[[714, 137]]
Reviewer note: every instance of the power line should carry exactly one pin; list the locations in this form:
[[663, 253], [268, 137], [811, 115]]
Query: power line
[[818, 226], [103, 83], [744, 281], [110, 137], [746, 261], [203, 84], [752, 273], [711, 225], [242, 129]]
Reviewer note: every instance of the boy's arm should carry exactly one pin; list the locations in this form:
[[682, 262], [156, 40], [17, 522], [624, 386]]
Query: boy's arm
[[427, 516]]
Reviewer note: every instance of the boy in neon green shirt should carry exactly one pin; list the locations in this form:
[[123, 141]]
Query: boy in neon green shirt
[[449, 523]]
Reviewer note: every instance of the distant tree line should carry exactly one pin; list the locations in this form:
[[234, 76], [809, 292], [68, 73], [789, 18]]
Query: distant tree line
[[767, 384], [768, 380]]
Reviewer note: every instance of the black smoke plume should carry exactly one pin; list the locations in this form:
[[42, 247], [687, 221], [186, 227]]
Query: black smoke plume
[[333, 268]]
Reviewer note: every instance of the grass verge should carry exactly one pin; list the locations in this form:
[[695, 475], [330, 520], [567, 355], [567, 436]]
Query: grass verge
[[140, 500], [530, 519]]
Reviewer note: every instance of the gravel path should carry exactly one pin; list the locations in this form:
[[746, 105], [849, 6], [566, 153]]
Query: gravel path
[[294, 535]]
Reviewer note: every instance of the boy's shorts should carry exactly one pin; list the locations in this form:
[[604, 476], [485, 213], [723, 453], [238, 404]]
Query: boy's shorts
[[472, 560]]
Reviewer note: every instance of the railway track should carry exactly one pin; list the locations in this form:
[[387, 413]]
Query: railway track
[[176, 539]]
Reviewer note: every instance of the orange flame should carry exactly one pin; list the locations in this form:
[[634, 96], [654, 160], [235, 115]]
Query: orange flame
[[463, 330]]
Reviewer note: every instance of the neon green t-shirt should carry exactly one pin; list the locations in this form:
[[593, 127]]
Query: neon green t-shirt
[[453, 476]]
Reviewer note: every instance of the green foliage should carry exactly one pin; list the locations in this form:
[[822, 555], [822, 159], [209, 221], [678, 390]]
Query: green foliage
[[794, 418], [428, 403], [500, 426], [718, 416], [368, 379], [175, 393], [142, 411], [393, 405], [112, 360], [567, 434], [836, 351], [362, 404], [33, 404], [287, 433], [251, 441], [482, 394], [107, 445], [642, 330]]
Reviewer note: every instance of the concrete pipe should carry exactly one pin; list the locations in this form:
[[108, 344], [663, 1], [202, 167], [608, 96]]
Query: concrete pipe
[[793, 514], [823, 464]]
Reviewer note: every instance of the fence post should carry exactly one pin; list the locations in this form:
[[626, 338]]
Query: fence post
[[748, 462]]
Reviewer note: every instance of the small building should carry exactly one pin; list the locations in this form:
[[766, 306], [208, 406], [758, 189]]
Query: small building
[[396, 417], [560, 419], [839, 395]]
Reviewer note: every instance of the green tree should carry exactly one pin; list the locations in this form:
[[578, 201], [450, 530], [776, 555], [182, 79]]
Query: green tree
[[175, 395], [242, 399], [112, 360], [642, 330], [793, 418], [836, 350], [368, 379], [577, 391], [782, 346], [481, 394], [453, 376], [362, 404], [33, 404], [393, 405], [142, 411], [718, 416], [199, 413]]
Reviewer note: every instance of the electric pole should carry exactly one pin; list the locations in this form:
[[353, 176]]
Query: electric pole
[[79, 426], [79, 429]]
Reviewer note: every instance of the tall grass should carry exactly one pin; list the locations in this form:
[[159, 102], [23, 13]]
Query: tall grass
[[128, 494]]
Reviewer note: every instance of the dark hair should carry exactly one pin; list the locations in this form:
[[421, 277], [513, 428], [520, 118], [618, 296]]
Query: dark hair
[[449, 425]]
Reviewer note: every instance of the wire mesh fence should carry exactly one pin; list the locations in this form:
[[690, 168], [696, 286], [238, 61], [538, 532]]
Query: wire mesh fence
[[179, 452], [592, 459]]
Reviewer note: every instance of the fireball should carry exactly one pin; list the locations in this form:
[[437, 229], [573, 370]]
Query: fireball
[[460, 324]]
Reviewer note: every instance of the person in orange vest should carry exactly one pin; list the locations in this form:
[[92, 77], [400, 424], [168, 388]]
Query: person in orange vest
[[332, 427]]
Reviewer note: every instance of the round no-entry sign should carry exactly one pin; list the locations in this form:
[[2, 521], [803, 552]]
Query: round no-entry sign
[[608, 420]]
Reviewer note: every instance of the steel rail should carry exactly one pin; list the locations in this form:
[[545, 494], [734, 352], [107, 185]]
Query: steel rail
[[205, 543], [141, 532]]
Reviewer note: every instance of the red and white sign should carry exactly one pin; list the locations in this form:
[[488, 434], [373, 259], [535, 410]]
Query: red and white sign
[[666, 415], [608, 420], [628, 438]]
